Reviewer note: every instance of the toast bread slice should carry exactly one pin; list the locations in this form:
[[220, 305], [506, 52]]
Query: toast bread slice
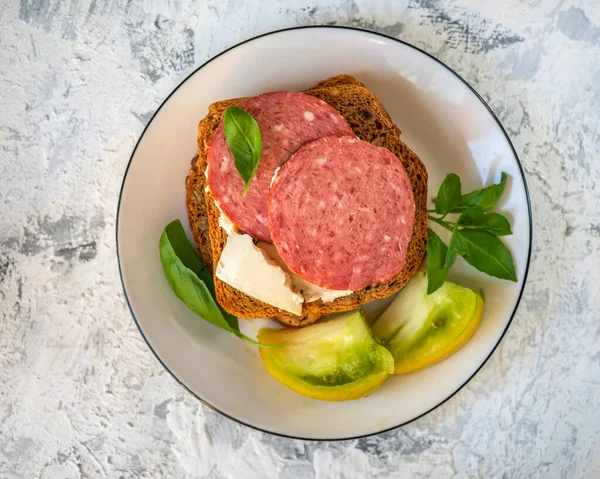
[[371, 122]]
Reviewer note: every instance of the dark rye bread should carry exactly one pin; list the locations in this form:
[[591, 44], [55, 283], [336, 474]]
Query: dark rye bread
[[371, 122]]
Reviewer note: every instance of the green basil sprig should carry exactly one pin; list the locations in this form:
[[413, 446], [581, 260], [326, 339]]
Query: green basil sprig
[[243, 137], [474, 234], [193, 283]]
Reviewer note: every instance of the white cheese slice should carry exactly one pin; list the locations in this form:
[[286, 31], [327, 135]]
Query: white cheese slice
[[226, 223], [246, 267], [311, 292]]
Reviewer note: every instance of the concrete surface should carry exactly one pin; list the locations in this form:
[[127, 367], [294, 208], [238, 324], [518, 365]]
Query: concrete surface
[[80, 393]]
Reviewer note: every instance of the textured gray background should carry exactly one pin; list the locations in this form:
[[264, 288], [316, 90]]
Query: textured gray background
[[81, 394]]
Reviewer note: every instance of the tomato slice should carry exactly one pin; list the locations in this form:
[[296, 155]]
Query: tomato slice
[[334, 360], [421, 330]]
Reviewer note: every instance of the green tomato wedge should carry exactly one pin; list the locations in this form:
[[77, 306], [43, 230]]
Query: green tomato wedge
[[421, 330], [334, 360]]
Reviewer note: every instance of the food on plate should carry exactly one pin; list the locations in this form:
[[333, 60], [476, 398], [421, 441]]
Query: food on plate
[[341, 213], [308, 204], [212, 226], [422, 329], [334, 360]]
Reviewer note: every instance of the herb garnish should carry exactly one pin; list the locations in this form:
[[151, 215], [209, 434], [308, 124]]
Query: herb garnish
[[243, 137], [474, 234], [193, 283]]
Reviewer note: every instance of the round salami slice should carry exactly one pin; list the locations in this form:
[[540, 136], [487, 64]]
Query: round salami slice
[[287, 121], [341, 213]]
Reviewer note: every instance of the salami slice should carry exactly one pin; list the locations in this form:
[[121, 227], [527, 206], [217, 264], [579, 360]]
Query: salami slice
[[341, 213], [287, 121]]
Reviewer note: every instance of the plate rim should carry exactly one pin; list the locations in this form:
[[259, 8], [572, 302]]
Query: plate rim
[[495, 118]]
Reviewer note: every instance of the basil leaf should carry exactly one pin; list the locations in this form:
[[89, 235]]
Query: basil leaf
[[243, 137], [475, 218], [188, 255], [192, 282], [485, 197], [448, 195], [184, 250], [485, 252], [188, 287], [436, 254], [452, 252]]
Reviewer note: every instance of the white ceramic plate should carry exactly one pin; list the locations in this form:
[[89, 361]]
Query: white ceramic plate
[[441, 117]]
